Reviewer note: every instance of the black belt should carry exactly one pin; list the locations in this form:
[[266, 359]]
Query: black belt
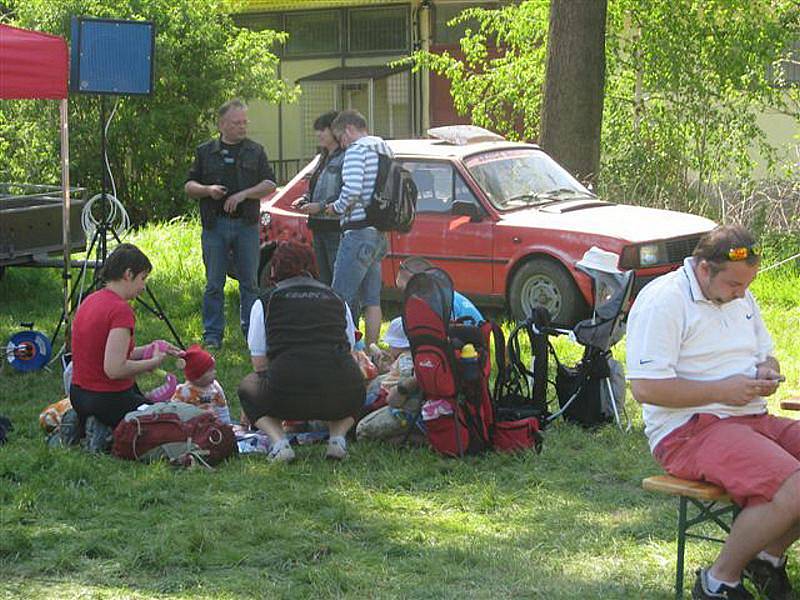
[[356, 225]]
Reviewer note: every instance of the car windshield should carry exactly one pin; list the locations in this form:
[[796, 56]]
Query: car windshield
[[524, 177]]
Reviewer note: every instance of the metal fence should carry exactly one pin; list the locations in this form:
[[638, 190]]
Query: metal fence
[[288, 168]]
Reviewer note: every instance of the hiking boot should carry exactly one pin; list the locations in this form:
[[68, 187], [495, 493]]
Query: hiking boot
[[337, 448], [69, 430], [281, 453], [770, 580], [99, 436], [701, 591]]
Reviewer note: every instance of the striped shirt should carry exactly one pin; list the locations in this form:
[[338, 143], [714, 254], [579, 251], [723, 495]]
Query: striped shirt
[[359, 172]]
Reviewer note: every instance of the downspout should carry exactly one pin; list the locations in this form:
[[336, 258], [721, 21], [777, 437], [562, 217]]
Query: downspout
[[280, 124]]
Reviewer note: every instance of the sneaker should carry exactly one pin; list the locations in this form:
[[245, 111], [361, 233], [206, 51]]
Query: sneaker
[[281, 453], [212, 344], [69, 431], [337, 448], [99, 436], [771, 581], [701, 590]]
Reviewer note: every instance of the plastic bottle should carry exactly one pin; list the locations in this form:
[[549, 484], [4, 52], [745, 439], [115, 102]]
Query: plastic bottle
[[469, 363]]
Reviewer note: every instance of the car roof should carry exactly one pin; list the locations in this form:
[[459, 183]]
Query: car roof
[[433, 148]]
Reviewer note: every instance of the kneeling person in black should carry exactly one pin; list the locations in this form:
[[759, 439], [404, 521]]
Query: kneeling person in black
[[301, 335]]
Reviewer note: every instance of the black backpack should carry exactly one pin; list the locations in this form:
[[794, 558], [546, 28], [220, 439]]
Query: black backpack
[[394, 203]]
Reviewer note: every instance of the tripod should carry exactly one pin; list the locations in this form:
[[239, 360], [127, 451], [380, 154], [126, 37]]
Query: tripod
[[99, 244]]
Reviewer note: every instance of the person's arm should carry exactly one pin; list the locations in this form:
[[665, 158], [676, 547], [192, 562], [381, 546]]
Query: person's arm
[[352, 179], [143, 351], [117, 364], [195, 189], [259, 363], [257, 338], [257, 191], [675, 392]]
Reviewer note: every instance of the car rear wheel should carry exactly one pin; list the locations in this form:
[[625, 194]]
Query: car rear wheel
[[544, 282]]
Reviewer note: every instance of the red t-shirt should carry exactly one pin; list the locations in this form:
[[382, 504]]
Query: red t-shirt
[[97, 315]]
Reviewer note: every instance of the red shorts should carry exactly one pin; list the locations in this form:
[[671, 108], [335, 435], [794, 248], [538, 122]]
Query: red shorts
[[750, 457]]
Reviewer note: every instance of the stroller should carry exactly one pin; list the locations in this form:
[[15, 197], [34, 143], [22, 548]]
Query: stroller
[[586, 391]]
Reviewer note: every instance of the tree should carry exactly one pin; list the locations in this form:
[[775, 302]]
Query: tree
[[685, 83], [201, 60], [572, 114]]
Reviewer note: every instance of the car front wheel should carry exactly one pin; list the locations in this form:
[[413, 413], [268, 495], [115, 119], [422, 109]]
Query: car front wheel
[[544, 282]]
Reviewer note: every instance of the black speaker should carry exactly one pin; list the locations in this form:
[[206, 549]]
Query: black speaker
[[112, 57]]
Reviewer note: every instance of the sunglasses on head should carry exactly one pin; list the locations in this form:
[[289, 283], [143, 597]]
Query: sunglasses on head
[[742, 253]]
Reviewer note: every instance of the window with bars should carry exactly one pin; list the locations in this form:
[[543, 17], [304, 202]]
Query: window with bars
[[313, 33], [389, 113], [259, 21], [787, 72], [384, 29]]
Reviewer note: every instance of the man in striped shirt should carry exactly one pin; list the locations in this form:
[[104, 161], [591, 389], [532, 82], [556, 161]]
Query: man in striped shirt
[[357, 270]]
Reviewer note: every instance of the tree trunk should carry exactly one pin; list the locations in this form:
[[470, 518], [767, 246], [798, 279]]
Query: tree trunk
[[572, 114]]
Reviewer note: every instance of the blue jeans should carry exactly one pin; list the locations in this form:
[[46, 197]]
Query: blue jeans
[[357, 271], [237, 239], [326, 245]]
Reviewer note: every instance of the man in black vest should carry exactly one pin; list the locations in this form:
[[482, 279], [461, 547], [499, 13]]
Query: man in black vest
[[229, 176]]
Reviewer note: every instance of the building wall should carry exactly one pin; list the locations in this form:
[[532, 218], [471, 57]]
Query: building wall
[[284, 130]]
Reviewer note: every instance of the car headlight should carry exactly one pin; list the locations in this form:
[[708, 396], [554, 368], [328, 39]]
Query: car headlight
[[266, 219], [651, 255], [647, 255]]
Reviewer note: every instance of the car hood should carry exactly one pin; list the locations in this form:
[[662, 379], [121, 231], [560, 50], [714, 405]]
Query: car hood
[[630, 223]]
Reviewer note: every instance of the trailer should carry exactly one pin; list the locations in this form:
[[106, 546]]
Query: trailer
[[31, 224]]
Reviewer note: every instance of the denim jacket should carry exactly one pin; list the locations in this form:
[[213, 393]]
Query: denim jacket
[[324, 187]]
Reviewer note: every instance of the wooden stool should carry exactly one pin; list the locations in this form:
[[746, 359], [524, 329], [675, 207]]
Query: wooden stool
[[791, 404], [712, 504]]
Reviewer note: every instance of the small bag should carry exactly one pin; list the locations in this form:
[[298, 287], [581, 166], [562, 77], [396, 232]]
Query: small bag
[[449, 435], [578, 389], [512, 436], [183, 434]]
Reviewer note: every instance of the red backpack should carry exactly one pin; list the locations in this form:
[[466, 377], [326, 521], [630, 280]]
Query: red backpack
[[180, 433], [457, 413]]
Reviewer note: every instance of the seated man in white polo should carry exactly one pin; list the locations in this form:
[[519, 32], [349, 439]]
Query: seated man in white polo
[[700, 362]]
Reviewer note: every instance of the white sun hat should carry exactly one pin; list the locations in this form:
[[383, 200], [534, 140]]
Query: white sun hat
[[599, 260], [395, 337]]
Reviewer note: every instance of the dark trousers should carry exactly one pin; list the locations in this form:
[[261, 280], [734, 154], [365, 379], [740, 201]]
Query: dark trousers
[[109, 407]]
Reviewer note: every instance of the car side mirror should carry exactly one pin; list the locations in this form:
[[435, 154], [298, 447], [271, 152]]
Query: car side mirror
[[467, 209]]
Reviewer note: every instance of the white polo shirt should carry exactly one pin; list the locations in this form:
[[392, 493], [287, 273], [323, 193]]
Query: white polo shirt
[[674, 331]]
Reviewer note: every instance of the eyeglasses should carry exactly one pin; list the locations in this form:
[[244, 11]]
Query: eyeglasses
[[742, 253]]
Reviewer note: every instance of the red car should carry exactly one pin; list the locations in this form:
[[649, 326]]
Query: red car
[[508, 224]]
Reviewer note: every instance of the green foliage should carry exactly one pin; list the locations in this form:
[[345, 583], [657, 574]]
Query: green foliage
[[685, 81], [499, 90], [201, 60]]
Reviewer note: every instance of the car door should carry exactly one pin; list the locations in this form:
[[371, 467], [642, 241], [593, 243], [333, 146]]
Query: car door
[[459, 244]]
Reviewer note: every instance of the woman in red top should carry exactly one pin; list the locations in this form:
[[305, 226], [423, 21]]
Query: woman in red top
[[105, 359]]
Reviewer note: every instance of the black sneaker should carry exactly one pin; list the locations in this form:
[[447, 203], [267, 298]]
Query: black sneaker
[[701, 590], [69, 430], [99, 436], [771, 581]]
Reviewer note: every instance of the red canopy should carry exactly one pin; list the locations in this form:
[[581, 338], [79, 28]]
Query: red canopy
[[32, 64]]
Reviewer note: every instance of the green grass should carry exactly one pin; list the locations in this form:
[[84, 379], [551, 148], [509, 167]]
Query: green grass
[[572, 522]]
